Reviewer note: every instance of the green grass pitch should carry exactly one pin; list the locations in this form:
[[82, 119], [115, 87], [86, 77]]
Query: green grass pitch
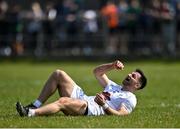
[[158, 104]]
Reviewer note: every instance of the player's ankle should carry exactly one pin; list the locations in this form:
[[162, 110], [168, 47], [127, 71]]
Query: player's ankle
[[37, 103], [31, 113]]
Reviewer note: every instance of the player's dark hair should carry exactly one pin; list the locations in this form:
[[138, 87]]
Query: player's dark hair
[[143, 79]]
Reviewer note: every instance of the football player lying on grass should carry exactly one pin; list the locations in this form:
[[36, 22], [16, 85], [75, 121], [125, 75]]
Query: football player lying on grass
[[113, 100]]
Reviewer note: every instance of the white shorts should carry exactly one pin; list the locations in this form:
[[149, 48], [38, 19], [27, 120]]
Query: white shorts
[[93, 107]]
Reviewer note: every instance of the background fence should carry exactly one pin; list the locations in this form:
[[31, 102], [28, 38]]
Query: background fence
[[90, 28]]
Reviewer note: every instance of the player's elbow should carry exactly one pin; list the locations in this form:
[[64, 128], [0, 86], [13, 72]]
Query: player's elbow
[[121, 112], [97, 72]]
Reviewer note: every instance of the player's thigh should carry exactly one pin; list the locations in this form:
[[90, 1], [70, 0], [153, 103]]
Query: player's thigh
[[73, 106], [66, 84]]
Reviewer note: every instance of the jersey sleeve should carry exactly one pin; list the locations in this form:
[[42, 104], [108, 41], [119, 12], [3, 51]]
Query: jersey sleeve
[[112, 83]]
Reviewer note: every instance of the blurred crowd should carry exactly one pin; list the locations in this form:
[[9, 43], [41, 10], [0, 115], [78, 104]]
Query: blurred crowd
[[120, 27]]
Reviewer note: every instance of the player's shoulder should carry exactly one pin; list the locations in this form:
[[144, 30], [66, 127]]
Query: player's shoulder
[[132, 98], [113, 84]]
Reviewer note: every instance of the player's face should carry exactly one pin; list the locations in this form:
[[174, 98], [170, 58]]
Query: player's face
[[132, 79]]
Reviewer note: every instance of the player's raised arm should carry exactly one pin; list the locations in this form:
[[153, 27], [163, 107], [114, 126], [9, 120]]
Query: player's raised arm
[[100, 71]]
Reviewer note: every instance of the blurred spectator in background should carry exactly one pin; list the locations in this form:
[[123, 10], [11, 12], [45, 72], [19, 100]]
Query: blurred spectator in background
[[133, 14], [123, 35], [67, 23], [178, 24], [71, 22], [144, 25], [36, 15], [5, 48], [16, 30], [155, 27], [122, 10], [49, 25], [110, 13], [168, 27], [90, 28]]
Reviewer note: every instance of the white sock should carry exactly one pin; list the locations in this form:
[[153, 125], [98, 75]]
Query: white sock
[[37, 103], [31, 113]]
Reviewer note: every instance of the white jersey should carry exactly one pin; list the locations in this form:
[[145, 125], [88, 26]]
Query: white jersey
[[117, 99]]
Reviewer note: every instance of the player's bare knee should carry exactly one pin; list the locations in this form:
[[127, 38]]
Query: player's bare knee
[[63, 100], [59, 74]]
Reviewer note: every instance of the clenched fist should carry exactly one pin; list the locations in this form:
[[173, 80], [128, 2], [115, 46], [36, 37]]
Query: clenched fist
[[118, 65]]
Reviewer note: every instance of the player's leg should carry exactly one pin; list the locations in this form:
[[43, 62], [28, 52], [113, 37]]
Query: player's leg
[[68, 106], [57, 80]]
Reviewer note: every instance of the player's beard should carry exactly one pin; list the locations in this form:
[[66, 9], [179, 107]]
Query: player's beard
[[126, 81]]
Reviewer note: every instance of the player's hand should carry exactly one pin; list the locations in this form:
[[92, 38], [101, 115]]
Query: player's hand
[[118, 65], [99, 99]]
